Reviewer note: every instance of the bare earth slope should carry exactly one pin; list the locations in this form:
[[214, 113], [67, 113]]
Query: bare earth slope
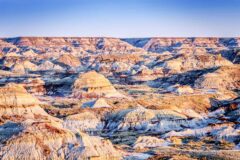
[[109, 98]]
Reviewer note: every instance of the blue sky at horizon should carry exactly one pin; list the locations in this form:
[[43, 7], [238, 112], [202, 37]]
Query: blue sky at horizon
[[120, 18]]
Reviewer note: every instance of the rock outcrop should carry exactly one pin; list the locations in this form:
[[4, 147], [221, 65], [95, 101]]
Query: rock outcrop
[[142, 119], [85, 121], [99, 103], [37, 140], [23, 67], [69, 60], [17, 104], [35, 86], [49, 66], [94, 84], [28, 132], [149, 142], [187, 62], [181, 89], [222, 79]]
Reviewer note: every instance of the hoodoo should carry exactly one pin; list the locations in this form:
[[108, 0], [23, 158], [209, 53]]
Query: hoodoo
[[16, 104], [93, 84]]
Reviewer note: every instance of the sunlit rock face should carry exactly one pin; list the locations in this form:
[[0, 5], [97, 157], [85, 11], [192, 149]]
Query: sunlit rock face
[[17, 104], [48, 66], [13, 95], [98, 103], [222, 79], [181, 89], [74, 45], [142, 119], [23, 67], [188, 44], [107, 45], [185, 63], [27, 131], [45, 141], [165, 44], [149, 142], [112, 45], [69, 60], [85, 121], [29, 54], [92, 84], [215, 125]]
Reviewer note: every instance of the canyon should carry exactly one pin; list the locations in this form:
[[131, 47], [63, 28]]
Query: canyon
[[103, 98]]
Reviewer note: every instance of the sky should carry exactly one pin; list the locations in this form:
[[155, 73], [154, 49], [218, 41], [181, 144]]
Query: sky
[[120, 18]]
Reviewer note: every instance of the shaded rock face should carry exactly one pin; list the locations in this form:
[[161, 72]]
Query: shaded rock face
[[35, 86], [236, 59], [186, 78]]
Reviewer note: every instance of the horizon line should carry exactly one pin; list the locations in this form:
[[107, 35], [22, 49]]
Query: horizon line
[[119, 37]]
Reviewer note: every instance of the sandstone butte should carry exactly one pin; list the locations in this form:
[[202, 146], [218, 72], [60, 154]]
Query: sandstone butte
[[94, 84]]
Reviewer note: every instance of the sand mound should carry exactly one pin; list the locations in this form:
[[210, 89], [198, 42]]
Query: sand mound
[[93, 83]]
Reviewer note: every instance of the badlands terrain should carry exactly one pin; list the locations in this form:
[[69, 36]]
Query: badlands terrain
[[112, 99]]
